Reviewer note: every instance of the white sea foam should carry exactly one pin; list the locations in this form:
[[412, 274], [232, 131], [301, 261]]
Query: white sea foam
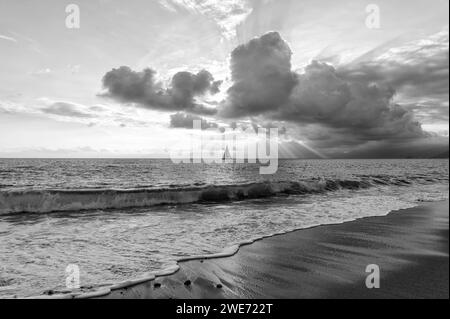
[[44, 201]]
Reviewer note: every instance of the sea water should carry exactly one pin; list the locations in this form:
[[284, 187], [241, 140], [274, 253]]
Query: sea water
[[116, 219]]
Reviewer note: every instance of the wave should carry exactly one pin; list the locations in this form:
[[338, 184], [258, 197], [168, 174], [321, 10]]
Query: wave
[[45, 201]]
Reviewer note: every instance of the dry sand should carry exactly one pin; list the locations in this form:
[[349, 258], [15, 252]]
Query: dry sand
[[410, 246]]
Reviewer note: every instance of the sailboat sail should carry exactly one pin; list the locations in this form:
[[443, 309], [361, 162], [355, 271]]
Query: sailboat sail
[[227, 156]]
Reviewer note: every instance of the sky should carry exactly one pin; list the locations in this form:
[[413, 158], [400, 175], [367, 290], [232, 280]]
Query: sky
[[129, 81]]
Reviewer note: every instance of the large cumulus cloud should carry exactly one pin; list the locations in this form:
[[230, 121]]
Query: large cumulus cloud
[[143, 89], [261, 75], [345, 106]]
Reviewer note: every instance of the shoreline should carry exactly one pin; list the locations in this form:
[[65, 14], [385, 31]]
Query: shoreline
[[208, 276], [410, 246]]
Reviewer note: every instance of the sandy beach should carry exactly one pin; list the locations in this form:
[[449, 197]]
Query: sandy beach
[[409, 246]]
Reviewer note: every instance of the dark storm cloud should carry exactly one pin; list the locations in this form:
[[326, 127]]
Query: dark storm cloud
[[349, 106], [362, 109], [142, 88], [261, 75], [182, 120], [66, 109]]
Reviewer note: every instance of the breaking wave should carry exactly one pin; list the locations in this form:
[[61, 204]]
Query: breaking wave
[[45, 201]]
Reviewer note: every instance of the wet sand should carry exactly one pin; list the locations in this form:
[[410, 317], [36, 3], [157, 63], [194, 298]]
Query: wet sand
[[410, 247]]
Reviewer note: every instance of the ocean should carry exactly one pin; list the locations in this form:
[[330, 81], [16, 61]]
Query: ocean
[[118, 219]]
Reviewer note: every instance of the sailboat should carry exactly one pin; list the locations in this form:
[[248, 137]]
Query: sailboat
[[227, 156]]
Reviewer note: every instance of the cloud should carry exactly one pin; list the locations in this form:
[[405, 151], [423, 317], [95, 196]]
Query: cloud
[[74, 69], [4, 110], [67, 109], [90, 115], [143, 89], [42, 72], [227, 14], [182, 120], [98, 108], [330, 107], [363, 109], [418, 69], [261, 75], [185, 86], [429, 111], [6, 38]]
